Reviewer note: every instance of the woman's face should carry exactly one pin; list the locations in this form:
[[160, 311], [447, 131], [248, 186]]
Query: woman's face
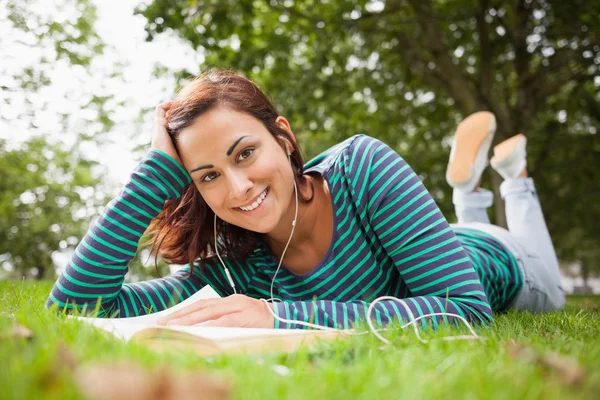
[[239, 168]]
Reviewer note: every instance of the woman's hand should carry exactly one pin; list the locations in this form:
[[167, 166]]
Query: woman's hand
[[234, 311], [161, 140]]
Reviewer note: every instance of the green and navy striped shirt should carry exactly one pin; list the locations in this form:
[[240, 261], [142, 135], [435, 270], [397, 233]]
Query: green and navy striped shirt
[[389, 239]]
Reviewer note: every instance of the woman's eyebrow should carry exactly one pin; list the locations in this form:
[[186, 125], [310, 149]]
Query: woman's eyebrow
[[231, 149], [201, 167], [235, 144]]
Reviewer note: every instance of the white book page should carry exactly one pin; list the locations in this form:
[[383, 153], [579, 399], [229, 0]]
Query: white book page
[[124, 328], [121, 329]]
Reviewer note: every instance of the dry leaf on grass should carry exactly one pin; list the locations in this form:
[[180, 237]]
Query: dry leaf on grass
[[128, 381], [18, 331], [64, 358], [63, 364], [590, 305], [568, 369]]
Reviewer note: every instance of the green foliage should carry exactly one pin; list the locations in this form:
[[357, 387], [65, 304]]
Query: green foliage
[[49, 191], [47, 195], [74, 39], [406, 71], [359, 367]]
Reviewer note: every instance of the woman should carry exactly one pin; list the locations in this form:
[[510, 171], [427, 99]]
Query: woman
[[325, 238]]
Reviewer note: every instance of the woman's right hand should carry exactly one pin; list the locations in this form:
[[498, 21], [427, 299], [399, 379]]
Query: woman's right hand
[[161, 140]]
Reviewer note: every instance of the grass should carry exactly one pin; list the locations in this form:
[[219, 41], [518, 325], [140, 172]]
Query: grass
[[360, 367]]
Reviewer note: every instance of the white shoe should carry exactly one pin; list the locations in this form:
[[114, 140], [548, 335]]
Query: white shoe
[[510, 157], [470, 147]]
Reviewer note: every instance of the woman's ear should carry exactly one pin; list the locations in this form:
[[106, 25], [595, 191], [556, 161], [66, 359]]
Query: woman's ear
[[284, 124]]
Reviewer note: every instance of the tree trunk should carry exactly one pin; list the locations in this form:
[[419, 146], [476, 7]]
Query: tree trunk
[[41, 274], [499, 207], [504, 125], [585, 274]]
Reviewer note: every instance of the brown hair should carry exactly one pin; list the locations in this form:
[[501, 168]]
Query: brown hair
[[183, 231]]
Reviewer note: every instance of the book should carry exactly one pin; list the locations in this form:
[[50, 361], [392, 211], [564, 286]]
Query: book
[[205, 340]]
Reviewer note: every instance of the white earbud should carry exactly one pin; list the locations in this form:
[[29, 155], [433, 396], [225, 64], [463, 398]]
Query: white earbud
[[229, 278]]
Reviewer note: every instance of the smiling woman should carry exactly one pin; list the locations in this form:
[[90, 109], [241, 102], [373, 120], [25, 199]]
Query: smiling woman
[[231, 140], [225, 177]]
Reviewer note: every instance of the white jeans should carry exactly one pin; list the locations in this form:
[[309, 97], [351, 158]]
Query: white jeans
[[527, 238]]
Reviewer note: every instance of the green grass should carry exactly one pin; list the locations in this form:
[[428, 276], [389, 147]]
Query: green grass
[[358, 368]]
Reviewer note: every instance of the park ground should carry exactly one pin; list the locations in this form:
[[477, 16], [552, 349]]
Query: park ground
[[523, 356]]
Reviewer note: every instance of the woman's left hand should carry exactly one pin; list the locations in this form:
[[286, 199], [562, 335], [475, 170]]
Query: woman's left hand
[[233, 311]]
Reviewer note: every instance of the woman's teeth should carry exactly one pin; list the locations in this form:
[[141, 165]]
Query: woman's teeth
[[257, 202]]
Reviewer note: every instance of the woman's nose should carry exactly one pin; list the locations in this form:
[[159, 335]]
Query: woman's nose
[[239, 186]]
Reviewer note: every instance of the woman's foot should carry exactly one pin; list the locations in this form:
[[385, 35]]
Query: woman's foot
[[470, 147], [510, 157]]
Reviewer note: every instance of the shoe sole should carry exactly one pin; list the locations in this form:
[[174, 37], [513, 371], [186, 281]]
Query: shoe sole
[[471, 134], [505, 150]]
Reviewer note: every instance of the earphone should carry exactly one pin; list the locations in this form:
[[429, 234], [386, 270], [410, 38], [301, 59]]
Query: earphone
[[375, 331], [231, 282]]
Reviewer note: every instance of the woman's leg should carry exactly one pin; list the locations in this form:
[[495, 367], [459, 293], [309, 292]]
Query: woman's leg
[[526, 222], [528, 239], [472, 206]]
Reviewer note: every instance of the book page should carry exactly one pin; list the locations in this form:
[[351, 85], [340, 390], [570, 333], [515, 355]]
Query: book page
[[124, 328]]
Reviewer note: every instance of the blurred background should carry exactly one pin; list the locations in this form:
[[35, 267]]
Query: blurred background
[[79, 80]]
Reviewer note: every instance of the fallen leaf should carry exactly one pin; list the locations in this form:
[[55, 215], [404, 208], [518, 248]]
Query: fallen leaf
[[18, 331], [568, 369], [591, 305], [64, 357], [520, 351], [128, 381], [63, 364]]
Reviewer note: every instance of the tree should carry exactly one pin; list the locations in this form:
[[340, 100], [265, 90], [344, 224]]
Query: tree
[[47, 196], [49, 190], [407, 71]]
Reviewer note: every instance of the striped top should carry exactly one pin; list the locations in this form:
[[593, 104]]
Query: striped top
[[389, 238], [496, 266]]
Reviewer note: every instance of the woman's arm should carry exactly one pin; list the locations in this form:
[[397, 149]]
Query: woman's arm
[[97, 269], [417, 238]]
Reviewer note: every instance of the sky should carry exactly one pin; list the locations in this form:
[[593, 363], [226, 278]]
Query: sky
[[126, 51], [125, 32]]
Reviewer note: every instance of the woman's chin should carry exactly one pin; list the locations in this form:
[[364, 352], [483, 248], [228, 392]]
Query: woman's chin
[[263, 226]]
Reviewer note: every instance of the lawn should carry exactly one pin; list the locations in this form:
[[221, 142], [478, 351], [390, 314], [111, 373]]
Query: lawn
[[551, 356]]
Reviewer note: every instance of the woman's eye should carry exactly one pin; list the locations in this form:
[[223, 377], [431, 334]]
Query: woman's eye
[[209, 177], [244, 154]]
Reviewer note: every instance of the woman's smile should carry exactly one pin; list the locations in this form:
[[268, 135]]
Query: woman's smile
[[256, 205]]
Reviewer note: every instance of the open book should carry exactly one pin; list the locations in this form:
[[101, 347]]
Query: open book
[[207, 340]]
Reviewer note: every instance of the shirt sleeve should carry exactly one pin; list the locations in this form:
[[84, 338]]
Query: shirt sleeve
[[97, 268], [415, 235]]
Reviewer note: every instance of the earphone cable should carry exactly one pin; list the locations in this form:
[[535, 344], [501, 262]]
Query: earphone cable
[[372, 328]]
